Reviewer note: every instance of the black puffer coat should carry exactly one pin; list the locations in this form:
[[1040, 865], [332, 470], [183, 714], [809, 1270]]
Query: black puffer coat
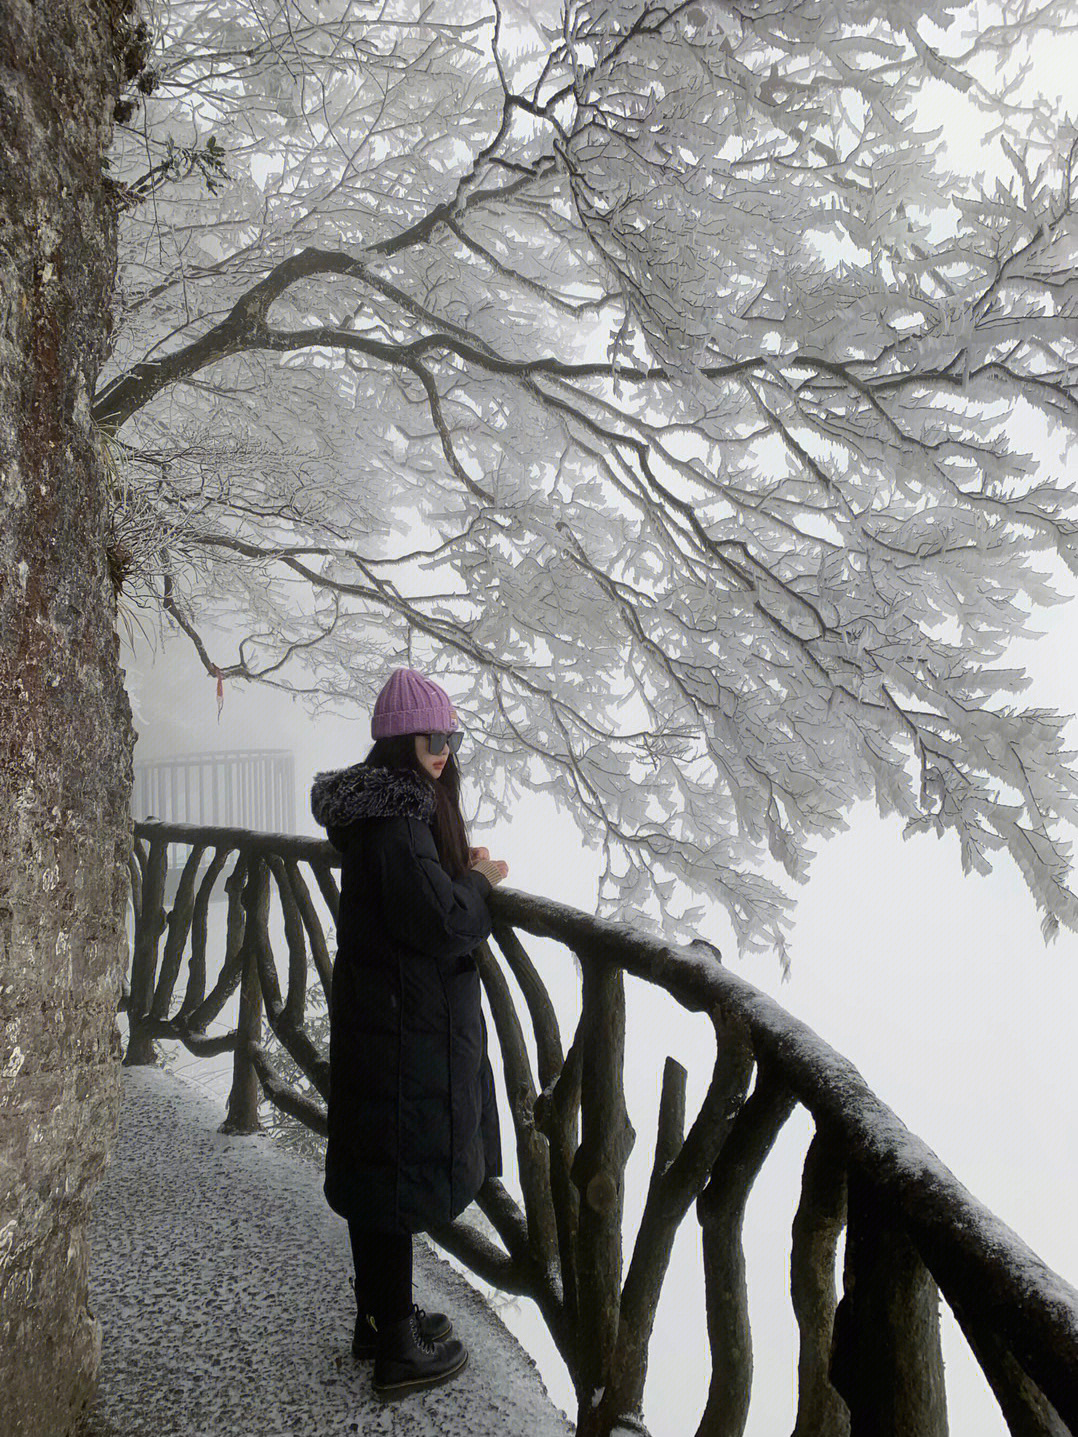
[[413, 1126]]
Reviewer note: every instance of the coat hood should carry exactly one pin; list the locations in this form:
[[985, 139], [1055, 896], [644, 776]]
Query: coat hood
[[341, 796]]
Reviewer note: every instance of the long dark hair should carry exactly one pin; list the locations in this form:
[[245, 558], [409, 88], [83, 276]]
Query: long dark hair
[[447, 821]]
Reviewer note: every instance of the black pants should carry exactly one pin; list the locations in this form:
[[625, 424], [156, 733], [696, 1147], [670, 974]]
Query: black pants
[[383, 1263]]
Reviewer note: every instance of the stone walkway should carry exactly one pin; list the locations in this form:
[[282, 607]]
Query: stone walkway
[[220, 1278]]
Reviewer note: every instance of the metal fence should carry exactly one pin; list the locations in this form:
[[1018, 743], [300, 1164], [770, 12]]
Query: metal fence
[[253, 789]]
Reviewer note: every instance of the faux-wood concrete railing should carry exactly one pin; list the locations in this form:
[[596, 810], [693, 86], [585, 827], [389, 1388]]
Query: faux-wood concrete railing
[[870, 1364]]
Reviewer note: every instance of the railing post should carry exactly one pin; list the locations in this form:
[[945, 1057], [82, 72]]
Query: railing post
[[149, 925], [243, 1100], [721, 1211], [886, 1362], [1026, 1410], [817, 1226]]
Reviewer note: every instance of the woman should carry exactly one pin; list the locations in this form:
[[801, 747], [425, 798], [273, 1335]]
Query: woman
[[413, 1126]]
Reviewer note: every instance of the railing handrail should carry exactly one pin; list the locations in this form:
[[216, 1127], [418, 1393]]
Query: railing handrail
[[288, 845]]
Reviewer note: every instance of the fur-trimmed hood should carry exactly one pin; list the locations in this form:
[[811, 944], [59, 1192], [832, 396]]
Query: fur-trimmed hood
[[341, 796]]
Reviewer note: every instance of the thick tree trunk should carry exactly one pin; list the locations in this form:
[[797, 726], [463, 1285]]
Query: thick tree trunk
[[65, 731]]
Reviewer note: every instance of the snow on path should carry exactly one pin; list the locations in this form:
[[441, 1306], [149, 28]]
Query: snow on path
[[220, 1278]]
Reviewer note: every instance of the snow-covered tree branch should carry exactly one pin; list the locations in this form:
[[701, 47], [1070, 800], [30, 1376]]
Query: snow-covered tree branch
[[736, 406]]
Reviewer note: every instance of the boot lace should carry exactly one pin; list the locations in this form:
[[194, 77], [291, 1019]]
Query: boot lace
[[421, 1342]]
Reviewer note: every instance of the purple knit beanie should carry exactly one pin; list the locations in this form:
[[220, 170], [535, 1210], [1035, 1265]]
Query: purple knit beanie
[[410, 703]]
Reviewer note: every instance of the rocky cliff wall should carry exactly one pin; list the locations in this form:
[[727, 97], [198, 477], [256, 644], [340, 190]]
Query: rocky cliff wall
[[65, 733]]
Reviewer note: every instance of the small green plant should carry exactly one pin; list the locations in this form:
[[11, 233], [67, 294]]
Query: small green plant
[[179, 162]]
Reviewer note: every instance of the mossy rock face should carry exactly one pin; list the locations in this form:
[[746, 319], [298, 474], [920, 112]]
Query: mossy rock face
[[65, 724]]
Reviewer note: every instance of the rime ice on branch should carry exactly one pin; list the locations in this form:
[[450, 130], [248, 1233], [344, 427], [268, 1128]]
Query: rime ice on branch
[[712, 382]]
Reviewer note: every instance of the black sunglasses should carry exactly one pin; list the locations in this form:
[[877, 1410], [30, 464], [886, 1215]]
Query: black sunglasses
[[437, 741]]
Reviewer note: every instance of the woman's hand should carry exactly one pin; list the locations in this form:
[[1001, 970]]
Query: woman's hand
[[492, 869], [475, 854]]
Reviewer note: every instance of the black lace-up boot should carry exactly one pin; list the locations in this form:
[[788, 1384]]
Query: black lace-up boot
[[432, 1325], [405, 1361]]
